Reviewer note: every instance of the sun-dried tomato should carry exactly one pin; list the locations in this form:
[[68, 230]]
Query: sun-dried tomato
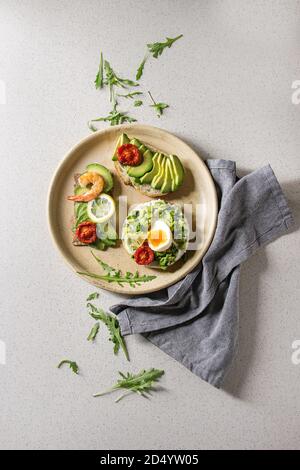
[[86, 232], [144, 255], [129, 154]]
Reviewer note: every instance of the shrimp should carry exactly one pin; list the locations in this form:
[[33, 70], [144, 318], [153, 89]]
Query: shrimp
[[97, 182]]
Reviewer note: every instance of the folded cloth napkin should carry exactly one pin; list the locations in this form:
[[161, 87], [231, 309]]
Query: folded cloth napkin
[[196, 320]]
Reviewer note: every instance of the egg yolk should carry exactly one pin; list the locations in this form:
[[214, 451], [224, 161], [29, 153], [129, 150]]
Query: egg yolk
[[157, 237]]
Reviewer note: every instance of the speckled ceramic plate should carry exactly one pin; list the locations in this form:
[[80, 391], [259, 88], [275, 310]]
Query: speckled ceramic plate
[[198, 190]]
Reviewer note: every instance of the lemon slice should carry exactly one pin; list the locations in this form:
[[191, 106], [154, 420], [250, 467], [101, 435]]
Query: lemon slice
[[101, 209]]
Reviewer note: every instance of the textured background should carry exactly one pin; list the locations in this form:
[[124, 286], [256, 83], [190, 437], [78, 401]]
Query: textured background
[[228, 82]]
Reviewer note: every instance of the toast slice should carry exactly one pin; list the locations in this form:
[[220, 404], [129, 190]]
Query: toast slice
[[144, 177]]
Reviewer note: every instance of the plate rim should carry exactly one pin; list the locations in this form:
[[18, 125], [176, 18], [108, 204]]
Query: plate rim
[[67, 260]]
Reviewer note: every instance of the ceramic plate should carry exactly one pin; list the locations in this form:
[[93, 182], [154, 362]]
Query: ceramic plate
[[197, 192]]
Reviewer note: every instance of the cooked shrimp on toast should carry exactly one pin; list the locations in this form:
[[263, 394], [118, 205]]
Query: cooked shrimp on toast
[[89, 178]]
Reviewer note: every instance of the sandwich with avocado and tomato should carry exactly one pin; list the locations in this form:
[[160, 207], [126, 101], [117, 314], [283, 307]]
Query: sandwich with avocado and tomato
[[94, 208], [151, 172], [156, 234]]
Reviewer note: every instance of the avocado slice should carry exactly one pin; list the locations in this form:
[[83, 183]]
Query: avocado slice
[[79, 190], [148, 177], [105, 173], [143, 148], [178, 170], [171, 170], [167, 183], [137, 180], [123, 139], [159, 179], [144, 167], [136, 142]]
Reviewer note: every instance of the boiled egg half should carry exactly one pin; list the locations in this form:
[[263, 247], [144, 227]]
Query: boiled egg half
[[160, 236]]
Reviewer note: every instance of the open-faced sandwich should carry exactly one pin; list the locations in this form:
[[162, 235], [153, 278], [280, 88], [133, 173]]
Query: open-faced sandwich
[[156, 234], [151, 172], [93, 208]]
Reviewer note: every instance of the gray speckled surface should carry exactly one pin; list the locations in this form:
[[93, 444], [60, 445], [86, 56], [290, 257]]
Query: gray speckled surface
[[229, 86]]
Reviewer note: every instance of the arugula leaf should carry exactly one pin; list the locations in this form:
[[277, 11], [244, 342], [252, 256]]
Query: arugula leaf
[[91, 126], [106, 266], [140, 69], [137, 103], [131, 95], [141, 383], [94, 295], [112, 79], [157, 48], [93, 332], [99, 80], [115, 275], [159, 107], [99, 245], [112, 325], [114, 118], [72, 365], [132, 279]]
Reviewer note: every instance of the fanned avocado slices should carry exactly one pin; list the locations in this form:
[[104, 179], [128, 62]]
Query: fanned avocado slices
[[162, 172], [178, 170], [148, 177], [159, 178]]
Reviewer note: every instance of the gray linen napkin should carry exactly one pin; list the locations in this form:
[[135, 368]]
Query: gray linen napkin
[[196, 320]]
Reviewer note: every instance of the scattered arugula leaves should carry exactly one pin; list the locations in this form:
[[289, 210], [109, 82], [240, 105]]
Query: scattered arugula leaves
[[140, 69], [106, 76], [99, 80], [73, 366], [115, 117], [94, 295], [141, 383], [115, 275], [157, 48], [159, 107], [113, 327], [112, 79], [94, 331], [131, 95]]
